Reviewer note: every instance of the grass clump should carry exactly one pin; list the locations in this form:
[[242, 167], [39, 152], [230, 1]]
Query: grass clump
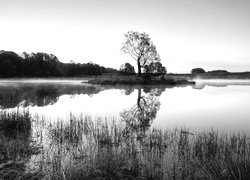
[[14, 124], [16, 145]]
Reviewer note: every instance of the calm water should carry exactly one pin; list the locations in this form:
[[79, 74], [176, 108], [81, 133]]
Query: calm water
[[221, 105]]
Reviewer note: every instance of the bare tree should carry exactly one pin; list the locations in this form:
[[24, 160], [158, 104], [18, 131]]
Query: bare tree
[[141, 49]]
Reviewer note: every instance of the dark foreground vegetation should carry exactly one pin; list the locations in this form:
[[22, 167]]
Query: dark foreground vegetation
[[16, 146], [80, 147], [45, 65]]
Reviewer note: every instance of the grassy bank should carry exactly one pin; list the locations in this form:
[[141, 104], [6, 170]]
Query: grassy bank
[[80, 147], [139, 80]]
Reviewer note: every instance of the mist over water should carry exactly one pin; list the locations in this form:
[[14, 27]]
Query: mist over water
[[41, 80], [218, 82], [219, 104]]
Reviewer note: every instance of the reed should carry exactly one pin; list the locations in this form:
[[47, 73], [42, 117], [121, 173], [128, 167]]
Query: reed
[[83, 147], [16, 145], [14, 124]]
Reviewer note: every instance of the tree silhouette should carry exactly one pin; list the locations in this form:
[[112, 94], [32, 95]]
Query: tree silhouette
[[141, 49], [8, 63]]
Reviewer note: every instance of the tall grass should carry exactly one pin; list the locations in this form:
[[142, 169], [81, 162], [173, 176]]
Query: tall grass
[[81, 147], [14, 124], [16, 145], [223, 157]]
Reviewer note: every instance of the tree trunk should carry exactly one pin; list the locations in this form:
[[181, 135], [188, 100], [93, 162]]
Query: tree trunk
[[139, 98], [139, 67]]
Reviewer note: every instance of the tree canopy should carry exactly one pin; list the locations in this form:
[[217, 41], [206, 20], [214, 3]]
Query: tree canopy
[[140, 47], [197, 71], [154, 68], [127, 68]]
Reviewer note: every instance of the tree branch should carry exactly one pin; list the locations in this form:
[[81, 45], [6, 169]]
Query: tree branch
[[132, 56]]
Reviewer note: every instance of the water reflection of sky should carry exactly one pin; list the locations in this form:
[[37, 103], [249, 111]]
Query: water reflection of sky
[[223, 106], [107, 103]]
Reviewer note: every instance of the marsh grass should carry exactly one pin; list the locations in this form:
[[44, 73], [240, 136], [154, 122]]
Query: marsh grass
[[14, 124], [223, 157], [16, 145], [82, 147]]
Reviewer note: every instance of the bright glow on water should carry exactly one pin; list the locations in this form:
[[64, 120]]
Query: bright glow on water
[[221, 105]]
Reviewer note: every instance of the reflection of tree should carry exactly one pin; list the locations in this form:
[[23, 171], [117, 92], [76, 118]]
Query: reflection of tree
[[140, 117]]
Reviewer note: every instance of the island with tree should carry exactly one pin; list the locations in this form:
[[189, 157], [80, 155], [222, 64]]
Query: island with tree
[[150, 71], [139, 46]]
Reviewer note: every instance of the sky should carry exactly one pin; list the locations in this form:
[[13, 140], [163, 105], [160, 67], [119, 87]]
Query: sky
[[209, 34]]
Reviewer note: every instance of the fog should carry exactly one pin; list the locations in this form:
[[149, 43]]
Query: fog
[[201, 83], [44, 80]]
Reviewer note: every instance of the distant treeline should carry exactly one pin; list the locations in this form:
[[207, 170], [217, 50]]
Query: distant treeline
[[45, 65], [218, 74], [200, 71]]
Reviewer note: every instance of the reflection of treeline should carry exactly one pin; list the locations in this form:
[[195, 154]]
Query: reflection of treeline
[[43, 65], [46, 94], [39, 95]]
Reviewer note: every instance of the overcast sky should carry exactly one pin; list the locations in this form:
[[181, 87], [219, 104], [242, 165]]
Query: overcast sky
[[211, 34]]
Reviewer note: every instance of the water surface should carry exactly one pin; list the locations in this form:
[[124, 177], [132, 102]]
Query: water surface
[[222, 105]]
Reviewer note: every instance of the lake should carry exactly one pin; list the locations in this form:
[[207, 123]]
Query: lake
[[223, 105]]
